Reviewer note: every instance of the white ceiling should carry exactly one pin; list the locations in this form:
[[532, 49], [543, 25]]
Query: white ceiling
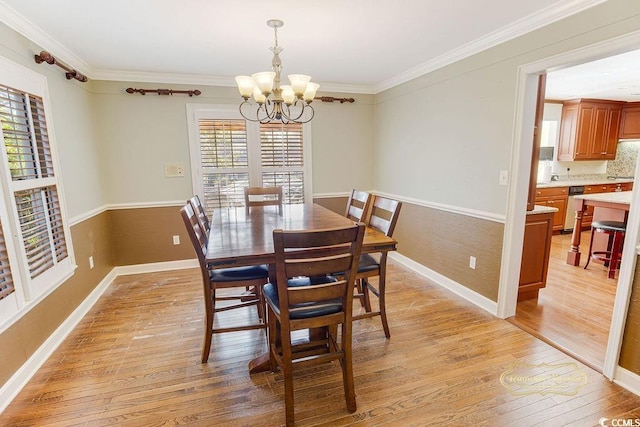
[[358, 45], [616, 77]]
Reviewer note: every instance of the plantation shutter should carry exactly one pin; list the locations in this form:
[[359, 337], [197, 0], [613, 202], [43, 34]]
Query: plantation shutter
[[34, 186], [282, 156], [225, 164], [6, 280]]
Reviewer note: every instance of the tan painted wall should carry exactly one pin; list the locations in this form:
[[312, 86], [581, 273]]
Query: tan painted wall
[[145, 235], [91, 238], [630, 352]]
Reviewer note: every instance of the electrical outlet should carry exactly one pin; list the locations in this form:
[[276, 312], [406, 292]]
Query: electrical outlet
[[91, 265], [472, 262], [176, 240]]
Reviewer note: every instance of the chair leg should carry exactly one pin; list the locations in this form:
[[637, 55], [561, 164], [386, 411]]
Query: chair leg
[[365, 294], [208, 326], [347, 370], [616, 248], [287, 373], [590, 248], [382, 298]]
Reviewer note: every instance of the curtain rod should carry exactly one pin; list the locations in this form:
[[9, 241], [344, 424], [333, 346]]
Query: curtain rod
[[70, 72]]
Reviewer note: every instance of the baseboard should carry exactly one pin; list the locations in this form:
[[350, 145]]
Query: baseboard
[[453, 286], [628, 380], [13, 386]]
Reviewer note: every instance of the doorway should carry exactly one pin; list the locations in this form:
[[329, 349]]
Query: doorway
[[512, 250]]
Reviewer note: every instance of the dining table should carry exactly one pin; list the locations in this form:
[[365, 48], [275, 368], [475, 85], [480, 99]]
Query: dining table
[[241, 237]]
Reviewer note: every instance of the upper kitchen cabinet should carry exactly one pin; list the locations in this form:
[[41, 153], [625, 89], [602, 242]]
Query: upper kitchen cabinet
[[630, 122], [589, 129]]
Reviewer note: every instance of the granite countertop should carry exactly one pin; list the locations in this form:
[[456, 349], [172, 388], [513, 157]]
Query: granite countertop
[[564, 182], [537, 209], [623, 197]]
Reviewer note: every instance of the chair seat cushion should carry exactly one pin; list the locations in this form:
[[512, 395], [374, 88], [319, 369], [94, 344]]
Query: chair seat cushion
[[306, 310], [367, 263], [237, 274]]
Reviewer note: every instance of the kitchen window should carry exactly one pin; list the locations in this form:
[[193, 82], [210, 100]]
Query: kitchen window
[[229, 153], [35, 244]]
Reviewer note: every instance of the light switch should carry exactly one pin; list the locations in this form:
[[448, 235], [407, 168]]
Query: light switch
[[172, 170], [504, 177]]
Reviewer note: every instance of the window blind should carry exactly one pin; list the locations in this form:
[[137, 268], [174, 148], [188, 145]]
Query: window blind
[[39, 216], [225, 162], [281, 148], [6, 280]]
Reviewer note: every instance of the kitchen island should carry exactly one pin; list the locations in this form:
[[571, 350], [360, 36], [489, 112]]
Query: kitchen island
[[606, 206]]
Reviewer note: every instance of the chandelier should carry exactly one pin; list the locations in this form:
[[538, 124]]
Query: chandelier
[[273, 102]]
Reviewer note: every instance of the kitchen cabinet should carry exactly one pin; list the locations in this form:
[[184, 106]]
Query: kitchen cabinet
[[630, 121], [554, 197], [538, 229], [589, 129]]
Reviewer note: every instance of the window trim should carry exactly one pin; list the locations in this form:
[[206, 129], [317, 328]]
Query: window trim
[[195, 112], [29, 292]]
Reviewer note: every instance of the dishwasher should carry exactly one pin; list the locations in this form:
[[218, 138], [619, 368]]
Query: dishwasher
[[570, 216]]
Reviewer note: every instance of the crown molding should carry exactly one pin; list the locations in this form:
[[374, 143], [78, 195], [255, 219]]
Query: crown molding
[[527, 24], [23, 26], [520, 27]]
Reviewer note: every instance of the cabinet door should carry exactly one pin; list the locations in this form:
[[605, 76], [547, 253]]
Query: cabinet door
[[568, 127], [559, 216], [599, 131], [630, 121], [613, 130], [584, 132]]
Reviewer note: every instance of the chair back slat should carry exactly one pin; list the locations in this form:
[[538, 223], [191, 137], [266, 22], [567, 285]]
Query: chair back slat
[[262, 196], [358, 205], [198, 208], [384, 214], [198, 237], [316, 254]]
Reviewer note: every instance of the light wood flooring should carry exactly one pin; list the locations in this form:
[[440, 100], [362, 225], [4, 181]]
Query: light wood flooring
[[134, 360], [573, 312]]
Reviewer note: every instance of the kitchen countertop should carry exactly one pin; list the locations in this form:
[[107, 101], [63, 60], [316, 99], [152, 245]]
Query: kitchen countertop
[[537, 209], [623, 197], [564, 182]]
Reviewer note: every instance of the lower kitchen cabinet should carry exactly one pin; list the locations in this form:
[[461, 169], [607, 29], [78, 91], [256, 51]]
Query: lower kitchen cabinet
[[538, 229], [554, 197]]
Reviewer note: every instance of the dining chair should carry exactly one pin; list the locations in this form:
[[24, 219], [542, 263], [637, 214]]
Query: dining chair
[[306, 296], [263, 196], [198, 208], [382, 217], [358, 205], [222, 278]]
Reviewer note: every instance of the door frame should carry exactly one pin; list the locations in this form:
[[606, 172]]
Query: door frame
[[518, 189]]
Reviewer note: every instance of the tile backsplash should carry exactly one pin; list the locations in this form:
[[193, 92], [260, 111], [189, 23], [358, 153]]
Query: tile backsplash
[[626, 159]]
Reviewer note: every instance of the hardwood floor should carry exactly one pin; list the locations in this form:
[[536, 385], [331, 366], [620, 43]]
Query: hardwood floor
[[574, 311], [134, 360]]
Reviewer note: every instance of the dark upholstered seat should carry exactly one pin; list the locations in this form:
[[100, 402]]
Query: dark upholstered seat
[[611, 257]]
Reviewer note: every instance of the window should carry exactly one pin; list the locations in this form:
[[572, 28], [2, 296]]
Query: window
[[229, 153], [37, 258]]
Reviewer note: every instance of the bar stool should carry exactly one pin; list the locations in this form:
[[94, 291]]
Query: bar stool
[[611, 257]]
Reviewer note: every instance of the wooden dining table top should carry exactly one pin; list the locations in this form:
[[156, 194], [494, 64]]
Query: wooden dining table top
[[240, 239]]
